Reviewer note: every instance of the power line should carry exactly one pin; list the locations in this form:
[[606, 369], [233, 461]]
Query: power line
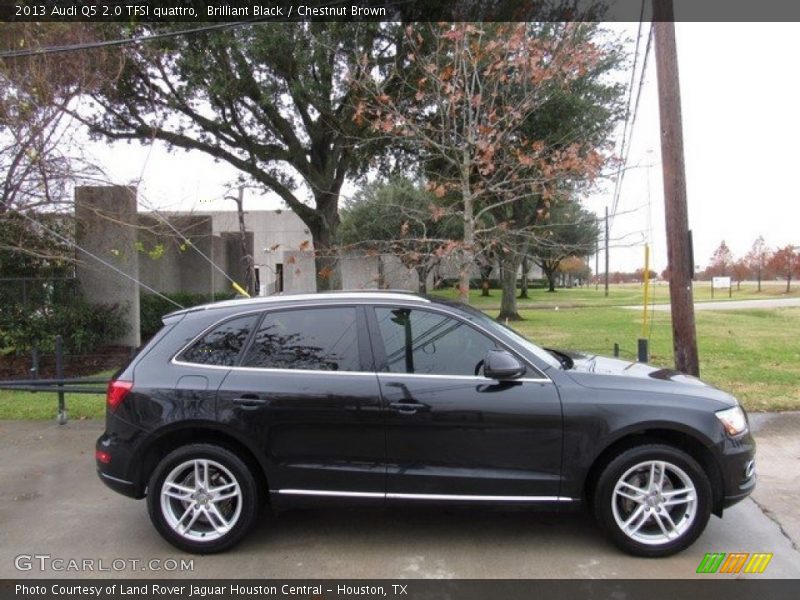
[[69, 242], [630, 116], [628, 103], [121, 41], [633, 121]]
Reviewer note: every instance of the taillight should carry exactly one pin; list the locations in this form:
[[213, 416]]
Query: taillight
[[117, 390], [102, 456]]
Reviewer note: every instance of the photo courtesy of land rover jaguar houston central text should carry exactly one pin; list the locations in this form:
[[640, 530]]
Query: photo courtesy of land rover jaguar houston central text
[[384, 398]]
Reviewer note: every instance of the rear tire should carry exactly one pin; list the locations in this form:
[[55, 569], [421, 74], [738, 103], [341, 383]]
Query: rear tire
[[202, 498], [653, 500]]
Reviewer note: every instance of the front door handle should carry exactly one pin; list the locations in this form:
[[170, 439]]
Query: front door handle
[[408, 408], [249, 401]]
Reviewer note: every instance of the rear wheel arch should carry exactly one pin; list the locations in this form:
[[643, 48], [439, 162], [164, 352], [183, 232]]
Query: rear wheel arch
[[158, 448], [681, 440]]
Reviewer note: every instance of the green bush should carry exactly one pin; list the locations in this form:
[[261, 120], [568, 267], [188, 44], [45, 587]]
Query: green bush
[[84, 327], [152, 308]]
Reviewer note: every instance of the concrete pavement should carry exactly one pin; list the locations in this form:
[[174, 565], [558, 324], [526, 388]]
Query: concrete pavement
[[731, 304], [51, 503]]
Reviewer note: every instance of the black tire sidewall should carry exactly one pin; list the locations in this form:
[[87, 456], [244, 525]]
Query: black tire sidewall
[[603, 498], [250, 497]]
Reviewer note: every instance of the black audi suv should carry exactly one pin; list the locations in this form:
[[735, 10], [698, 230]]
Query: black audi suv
[[378, 398]]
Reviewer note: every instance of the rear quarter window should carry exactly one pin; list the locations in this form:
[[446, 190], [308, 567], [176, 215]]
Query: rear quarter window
[[222, 345]]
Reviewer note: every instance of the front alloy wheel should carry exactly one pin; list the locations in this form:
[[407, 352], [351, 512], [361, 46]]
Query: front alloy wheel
[[202, 498], [654, 500]]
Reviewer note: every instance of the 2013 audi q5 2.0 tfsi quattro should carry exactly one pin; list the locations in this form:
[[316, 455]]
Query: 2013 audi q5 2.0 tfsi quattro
[[377, 398]]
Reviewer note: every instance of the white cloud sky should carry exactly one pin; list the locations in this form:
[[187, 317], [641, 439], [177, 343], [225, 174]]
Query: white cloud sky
[[740, 99]]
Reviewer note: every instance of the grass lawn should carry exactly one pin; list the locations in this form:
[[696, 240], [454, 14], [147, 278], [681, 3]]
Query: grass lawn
[[44, 405], [754, 354], [625, 294]]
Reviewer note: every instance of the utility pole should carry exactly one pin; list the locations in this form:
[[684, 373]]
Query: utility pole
[[684, 335], [597, 256], [606, 252]]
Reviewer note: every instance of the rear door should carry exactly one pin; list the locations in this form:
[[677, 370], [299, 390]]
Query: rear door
[[305, 392], [453, 434]]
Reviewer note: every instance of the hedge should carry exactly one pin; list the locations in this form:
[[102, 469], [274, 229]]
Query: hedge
[[84, 327]]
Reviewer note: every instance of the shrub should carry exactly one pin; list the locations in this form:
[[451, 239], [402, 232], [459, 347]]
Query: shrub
[[152, 308], [83, 326]]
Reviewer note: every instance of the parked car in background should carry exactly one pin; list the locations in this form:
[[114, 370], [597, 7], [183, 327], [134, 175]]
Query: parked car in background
[[377, 398]]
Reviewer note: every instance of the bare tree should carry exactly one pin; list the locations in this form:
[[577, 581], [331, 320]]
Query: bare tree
[[757, 258]]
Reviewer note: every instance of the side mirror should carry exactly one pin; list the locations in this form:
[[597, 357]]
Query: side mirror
[[502, 365]]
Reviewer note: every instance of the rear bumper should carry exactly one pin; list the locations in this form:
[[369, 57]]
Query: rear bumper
[[126, 488], [115, 473]]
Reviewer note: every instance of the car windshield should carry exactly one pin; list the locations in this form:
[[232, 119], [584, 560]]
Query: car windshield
[[497, 327]]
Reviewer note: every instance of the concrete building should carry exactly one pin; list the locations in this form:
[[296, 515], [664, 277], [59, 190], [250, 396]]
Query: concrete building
[[200, 252]]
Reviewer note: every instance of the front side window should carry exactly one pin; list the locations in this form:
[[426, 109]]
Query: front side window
[[222, 345], [428, 343], [318, 339]]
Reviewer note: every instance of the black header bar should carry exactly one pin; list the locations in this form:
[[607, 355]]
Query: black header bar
[[208, 11]]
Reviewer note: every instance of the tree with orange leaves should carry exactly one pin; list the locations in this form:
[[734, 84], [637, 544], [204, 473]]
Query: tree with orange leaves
[[476, 87]]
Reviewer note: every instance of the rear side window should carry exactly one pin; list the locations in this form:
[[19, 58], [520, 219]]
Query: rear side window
[[222, 345], [317, 339]]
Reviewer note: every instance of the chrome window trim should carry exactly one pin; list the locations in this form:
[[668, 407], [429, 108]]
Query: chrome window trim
[[461, 377], [443, 497], [366, 302], [276, 370]]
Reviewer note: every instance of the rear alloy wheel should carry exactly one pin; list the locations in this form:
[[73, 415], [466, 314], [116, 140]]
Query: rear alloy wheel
[[653, 500], [202, 498]]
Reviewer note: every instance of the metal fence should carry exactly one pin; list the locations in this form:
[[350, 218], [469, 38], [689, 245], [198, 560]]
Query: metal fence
[[59, 384]]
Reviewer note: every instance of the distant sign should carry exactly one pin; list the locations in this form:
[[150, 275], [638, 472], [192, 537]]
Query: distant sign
[[721, 282]]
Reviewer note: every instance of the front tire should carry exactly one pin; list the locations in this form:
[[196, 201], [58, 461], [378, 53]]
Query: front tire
[[653, 500], [202, 498]]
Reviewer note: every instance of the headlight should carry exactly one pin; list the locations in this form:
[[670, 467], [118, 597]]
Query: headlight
[[733, 420]]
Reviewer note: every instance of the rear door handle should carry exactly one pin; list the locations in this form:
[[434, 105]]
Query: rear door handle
[[249, 401], [408, 408]]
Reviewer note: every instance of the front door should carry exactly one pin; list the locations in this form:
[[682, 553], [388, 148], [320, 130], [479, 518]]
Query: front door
[[453, 434]]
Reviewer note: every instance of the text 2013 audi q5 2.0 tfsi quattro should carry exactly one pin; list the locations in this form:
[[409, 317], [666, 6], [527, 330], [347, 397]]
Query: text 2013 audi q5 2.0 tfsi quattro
[[390, 398]]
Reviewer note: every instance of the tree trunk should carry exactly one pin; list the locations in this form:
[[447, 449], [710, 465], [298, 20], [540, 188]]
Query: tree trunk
[[508, 300], [469, 230], [248, 267], [758, 276], [381, 273], [788, 282], [324, 230], [551, 280], [485, 285], [523, 284], [422, 276]]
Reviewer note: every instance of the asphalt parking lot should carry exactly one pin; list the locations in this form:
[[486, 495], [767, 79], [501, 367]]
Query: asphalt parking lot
[[53, 505]]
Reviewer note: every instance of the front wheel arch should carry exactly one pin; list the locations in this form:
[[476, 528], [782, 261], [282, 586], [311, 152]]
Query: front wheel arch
[[670, 437]]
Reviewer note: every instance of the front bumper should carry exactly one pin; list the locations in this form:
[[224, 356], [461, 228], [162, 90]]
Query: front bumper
[[738, 469]]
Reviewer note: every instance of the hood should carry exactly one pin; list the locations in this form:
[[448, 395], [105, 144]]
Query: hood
[[602, 372]]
